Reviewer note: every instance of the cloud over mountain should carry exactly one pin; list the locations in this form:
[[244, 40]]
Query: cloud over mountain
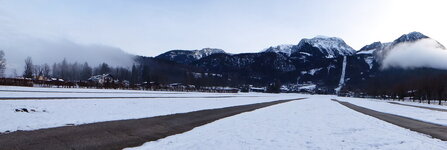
[[422, 53]]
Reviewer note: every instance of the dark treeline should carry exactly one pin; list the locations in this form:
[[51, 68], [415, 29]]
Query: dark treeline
[[422, 84], [144, 70], [147, 69]]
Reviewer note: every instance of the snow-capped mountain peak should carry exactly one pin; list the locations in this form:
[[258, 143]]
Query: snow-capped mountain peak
[[372, 46], [188, 56], [329, 46], [198, 54], [410, 37], [381, 48], [285, 48]]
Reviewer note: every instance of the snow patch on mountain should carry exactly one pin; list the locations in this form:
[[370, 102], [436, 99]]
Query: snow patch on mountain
[[311, 71], [366, 52], [370, 61]]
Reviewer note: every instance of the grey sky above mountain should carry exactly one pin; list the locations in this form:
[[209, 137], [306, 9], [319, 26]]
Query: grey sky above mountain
[[152, 27]]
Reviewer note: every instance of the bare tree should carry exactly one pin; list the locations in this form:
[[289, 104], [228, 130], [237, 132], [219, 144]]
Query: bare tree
[[28, 73], [14, 73], [37, 70], [2, 63], [46, 70]]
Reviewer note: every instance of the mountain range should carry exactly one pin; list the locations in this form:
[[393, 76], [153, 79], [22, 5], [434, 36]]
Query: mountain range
[[318, 61]]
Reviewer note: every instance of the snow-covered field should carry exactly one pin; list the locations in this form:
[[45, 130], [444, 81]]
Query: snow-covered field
[[315, 123], [54, 113], [433, 105], [14, 92]]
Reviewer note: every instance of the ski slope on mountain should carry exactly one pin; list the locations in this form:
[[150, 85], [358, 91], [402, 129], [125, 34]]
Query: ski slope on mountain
[[342, 77]]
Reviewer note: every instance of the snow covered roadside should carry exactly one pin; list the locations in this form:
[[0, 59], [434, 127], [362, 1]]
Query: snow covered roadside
[[421, 114], [314, 123], [54, 113], [43, 89], [422, 104], [14, 91]]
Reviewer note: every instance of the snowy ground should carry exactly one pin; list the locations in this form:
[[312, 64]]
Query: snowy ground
[[12, 91], [54, 113], [422, 114], [422, 104], [315, 123]]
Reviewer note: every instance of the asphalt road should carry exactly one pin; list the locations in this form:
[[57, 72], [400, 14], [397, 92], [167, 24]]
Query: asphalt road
[[433, 130], [119, 134]]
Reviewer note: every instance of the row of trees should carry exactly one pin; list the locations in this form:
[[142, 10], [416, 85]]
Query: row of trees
[[145, 71], [73, 71], [422, 84]]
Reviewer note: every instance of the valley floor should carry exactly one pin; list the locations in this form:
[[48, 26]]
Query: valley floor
[[313, 123]]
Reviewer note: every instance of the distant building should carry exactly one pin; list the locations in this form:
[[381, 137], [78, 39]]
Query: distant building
[[41, 78], [101, 79], [56, 80], [258, 89]]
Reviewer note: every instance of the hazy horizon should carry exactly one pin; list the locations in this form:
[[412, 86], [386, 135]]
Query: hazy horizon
[[150, 28]]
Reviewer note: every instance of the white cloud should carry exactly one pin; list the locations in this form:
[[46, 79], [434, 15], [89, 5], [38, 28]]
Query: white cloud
[[18, 47], [422, 53]]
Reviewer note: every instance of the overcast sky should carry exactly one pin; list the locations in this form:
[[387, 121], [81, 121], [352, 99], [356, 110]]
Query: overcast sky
[[149, 28]]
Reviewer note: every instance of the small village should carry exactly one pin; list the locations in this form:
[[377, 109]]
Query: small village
[[107, 81]]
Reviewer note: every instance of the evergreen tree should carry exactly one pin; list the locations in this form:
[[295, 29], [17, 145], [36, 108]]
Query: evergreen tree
[[274, 87], [87, 71], [104, 69], [64, 69], [135, 74]]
